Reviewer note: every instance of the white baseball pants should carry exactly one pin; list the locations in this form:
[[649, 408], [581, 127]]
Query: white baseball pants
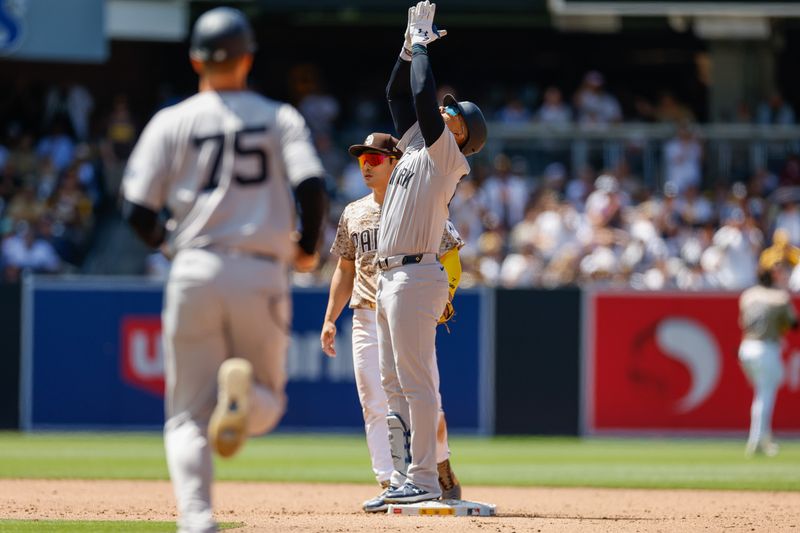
[[215, 307], [761, 362]]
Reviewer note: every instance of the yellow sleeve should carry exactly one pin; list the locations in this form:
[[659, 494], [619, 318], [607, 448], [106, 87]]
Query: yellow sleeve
[[452, 265]]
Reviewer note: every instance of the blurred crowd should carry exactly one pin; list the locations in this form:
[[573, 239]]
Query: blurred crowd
[[608, 229], [58, 169], [62, 158], [594, 105]]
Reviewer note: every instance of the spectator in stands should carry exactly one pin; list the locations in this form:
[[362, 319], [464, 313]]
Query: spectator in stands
[[514, 112], [693, 208], [71, 210], [776, 111], [72, 102], [521, 268], [739, 243], [683, 157], [26, 206], [23, 155], [788, 220], [504, 195], [467, 214], [593, 104], [490, 245], [553, 111], [319, 108], [57, 146], [604, 204], [25, 251]]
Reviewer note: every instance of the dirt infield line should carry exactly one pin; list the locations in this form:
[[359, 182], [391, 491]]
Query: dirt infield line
[[301, 508]]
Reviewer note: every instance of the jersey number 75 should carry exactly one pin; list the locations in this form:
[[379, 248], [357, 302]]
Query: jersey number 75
[[240, 151]]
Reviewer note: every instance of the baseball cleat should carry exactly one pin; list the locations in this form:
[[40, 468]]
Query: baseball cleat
[[448, 482], [408, 493], [227, 429], [377, 504]]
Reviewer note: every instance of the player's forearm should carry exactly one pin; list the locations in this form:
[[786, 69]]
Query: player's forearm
[[398, 96], [145, 223], [341, 289], [312, 200], [423, 88]]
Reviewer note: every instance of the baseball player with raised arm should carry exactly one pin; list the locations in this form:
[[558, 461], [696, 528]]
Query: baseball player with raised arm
[[355, 279], [224, 163], [766, 313], [412, 285]]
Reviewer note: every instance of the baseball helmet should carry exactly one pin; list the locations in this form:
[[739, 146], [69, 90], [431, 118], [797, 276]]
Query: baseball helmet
[[221, 34], [476, 124]]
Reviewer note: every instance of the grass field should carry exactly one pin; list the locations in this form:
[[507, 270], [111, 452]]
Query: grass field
[[564, 462]]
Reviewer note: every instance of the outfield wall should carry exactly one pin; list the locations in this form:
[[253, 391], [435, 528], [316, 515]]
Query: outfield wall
[[516, 362], [93, 359]]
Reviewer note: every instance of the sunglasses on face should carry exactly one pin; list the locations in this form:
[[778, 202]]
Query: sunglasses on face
[[373, 159], [452, 110]]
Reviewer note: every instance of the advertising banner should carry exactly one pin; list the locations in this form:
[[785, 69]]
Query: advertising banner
[[92, 358], [667, 362]]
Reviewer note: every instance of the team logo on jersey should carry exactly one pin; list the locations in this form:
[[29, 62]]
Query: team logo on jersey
[[142, 354], [12, 25], [365, 241], [401, 177]]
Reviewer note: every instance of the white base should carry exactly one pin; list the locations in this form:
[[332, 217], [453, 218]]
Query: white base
[[442, 508]]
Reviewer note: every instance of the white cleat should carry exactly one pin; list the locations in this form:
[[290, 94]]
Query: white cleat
[[227, 429]]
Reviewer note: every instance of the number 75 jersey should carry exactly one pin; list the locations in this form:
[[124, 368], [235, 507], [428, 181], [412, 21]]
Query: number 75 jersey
[[223, 164]]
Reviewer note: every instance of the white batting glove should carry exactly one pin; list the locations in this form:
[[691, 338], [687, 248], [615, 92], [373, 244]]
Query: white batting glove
[[405, 53], [423, 31]]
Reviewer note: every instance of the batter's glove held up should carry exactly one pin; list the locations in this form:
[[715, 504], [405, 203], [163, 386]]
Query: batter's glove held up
[[405, 52], [423, 31]]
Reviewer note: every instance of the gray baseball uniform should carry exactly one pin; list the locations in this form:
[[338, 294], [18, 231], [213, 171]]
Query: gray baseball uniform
[[356, 240], [411, 296], [222, 162]]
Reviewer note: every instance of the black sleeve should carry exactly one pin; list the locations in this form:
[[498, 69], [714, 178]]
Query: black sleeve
[[145, 222], [398, 94], [312, 203], [424, 89]]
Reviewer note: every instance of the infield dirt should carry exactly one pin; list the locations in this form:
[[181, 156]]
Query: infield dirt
[[296, 507]]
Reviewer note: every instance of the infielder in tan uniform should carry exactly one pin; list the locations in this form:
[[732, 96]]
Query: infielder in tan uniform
[[356, 278], [224, 163], [766, 313], [412, 285]]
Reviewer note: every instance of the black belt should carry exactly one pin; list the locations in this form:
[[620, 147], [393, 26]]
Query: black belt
[[388, 263]]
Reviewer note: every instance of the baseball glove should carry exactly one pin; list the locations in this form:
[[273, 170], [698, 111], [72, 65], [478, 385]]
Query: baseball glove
[[447, 315]]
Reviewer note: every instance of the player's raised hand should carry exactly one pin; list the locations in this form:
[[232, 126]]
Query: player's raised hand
[[304, 262], [327, 338], [423, 30], [407, 35]]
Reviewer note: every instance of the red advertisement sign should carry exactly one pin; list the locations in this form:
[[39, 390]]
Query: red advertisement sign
[[668, 361], [142, 353]]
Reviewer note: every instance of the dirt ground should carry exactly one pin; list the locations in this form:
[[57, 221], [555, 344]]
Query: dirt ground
[[295, 507]]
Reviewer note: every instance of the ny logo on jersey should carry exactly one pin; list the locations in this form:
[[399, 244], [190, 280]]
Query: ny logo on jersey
[[366, 240], [401, 177]]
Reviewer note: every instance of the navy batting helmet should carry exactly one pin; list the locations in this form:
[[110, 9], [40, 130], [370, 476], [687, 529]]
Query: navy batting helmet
[[476, 124], [220, 34]]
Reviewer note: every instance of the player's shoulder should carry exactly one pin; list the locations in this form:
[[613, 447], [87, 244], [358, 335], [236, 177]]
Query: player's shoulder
[[361, 210], [364, 205]]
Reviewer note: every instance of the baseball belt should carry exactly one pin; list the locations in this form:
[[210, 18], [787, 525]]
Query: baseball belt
[[394, 261]]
